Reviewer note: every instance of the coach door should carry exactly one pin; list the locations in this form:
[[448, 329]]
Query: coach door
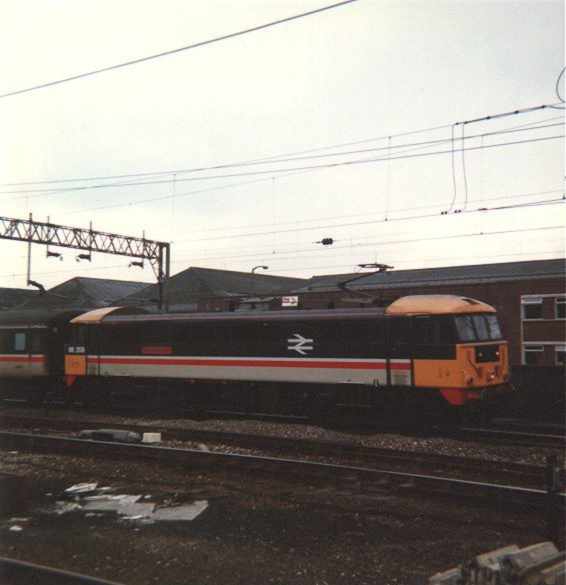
[[400, 350], [92, 343], [15, 358], [76, 358]]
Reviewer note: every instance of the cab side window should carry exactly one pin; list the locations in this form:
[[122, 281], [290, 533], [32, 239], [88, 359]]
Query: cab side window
[[19, 342]]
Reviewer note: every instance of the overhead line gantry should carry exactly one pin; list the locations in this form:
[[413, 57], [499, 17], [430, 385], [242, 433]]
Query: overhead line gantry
[[50, 234]]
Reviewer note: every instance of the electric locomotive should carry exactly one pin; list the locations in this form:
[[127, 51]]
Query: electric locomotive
[[444, 350]]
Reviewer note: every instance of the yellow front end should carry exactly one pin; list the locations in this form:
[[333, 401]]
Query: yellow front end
[[477, 367]]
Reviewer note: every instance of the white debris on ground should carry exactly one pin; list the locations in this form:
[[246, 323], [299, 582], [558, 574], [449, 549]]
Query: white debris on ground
[[81, 488], [97, 501]]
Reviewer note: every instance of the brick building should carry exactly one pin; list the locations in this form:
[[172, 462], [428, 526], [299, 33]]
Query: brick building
[[530, 298]]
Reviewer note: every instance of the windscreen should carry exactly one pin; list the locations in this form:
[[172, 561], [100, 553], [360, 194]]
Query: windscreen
[[477, 328]]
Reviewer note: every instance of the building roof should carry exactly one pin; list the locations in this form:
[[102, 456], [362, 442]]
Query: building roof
[[478, 273], [10, 297], [194, 284], [86, 293]]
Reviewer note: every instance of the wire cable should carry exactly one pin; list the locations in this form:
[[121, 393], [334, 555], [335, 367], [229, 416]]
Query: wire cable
[[454, 188], [283, 170], [293, 155], [177, 50], [398, 210], [557, 87], [464, 169], [555, 201]]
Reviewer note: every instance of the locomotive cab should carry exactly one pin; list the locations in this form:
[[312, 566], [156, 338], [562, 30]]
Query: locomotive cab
[[458, 346]]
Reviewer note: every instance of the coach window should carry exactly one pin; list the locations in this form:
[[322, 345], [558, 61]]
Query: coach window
[[481, 327], [465, 328], [560, 308], [560, 355], [493, 326], [19, 342], [531, 307], [532, 355]]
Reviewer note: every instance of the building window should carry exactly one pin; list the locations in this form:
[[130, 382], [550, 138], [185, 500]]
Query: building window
[[532, 355], [560, 308], [531, 308], [560, 355]]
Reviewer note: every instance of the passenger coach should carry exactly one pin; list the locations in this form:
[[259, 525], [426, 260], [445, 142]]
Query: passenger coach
[[32, 351], [430, 347]]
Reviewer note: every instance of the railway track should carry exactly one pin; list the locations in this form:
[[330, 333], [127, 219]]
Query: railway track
[[508, 436], [342, 476], [352, 451], [505, 431], [17, 572]]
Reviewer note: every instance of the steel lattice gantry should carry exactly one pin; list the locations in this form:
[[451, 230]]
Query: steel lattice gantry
[[37, 232]]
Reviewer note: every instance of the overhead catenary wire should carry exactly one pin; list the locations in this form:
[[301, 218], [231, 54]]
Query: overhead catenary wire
[[338, 164], [403, 265], [174, 173], [175, 51], [168, 196], [557, 87], [464, 174], [438, 205], [293, 258], [444, 237], [491, 117], [264, 160], [279, 157], [209, 189], [453, 165], [381, 220], [561, 200]]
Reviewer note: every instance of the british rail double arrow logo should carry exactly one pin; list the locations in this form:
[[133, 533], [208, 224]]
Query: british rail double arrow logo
[[300, 344]]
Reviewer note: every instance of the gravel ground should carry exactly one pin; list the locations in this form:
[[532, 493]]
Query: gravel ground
[[254, 531], [388, 440]]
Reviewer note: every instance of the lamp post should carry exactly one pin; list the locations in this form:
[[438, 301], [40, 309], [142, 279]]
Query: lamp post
[[258, 267]]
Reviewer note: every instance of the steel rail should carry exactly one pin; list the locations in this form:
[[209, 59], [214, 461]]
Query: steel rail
[[18, 572], [513, 437], [316, 447], [298, 469]]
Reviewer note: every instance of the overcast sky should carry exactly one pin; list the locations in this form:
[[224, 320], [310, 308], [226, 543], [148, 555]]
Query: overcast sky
[[361, 72]]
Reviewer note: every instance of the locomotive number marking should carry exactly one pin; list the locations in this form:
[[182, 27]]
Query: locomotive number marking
[[300, 344]]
